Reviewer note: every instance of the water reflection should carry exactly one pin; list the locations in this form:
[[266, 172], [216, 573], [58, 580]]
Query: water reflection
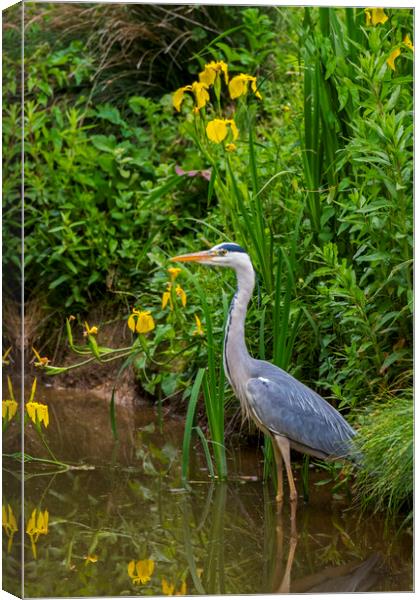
[[128, 527]]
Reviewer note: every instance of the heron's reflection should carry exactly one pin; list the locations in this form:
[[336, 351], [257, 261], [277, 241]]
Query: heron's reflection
[[351, 576], [280, 542]]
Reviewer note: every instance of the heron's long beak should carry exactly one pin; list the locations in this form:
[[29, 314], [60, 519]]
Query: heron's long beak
[[194, 256]]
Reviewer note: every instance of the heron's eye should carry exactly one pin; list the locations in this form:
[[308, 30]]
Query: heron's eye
[[222, 252]]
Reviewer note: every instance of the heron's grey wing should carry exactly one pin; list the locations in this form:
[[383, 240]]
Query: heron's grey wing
[[287, 407]]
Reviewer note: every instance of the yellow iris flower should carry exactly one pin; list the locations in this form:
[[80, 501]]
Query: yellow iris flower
[[181, 294], [9, 407], [407, 42], [141, 321], [211, 70], [37, 525], [9, 524], [198, 327], [391, 59], [167, 297], [174, 272], [141, 571], [90, 330], [198, 89], [168, 588], [238, 86], [91, 558], [217, 130], [375, 16], [38, 413], [43, 361]]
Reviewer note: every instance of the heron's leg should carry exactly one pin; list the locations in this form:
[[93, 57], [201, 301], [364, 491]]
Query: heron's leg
[[279, 465], [284, 446]]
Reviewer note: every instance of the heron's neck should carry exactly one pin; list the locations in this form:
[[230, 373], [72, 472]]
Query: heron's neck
[[236, 356]]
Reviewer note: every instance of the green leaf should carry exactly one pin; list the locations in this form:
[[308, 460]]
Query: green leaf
[[189, 423], [104, 143], [93, 345], [58, 281]]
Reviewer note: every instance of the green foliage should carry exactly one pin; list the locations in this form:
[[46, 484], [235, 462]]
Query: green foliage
[[364, 154], [254, 37], [94, 179]]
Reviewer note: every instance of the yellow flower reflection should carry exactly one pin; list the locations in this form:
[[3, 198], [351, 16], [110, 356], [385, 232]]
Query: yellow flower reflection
[[9, 524], [375, 16], [168, 588], [37, 525], [238, 86], [211, 70], [141, 321], [217, 130], [391, 59], [198, 327], [141, 571], [199, 90]]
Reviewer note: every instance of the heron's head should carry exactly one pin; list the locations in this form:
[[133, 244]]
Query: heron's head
[[223, 255]]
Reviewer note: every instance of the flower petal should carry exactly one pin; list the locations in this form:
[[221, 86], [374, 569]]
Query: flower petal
[[378, 16], [201, 94], [254, 88], [131, 568], [145, 322], [178, 96], [167, 588], [181, 293], [216, 130], [237, 86], [207, 76], [131, 322], [391, 59], [407, 42]]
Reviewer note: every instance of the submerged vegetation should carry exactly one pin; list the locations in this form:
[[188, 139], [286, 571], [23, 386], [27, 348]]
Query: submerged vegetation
[[286, 130]]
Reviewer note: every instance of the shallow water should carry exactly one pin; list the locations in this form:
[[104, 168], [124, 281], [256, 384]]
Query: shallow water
[[125, 502]]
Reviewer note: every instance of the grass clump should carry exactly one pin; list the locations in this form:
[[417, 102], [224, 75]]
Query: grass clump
[[385, 481]]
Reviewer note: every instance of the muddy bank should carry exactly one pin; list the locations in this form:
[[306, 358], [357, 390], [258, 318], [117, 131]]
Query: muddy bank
[[48, 335]]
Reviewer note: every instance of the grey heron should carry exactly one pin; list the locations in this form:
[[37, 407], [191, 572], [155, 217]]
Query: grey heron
[[281, 406]]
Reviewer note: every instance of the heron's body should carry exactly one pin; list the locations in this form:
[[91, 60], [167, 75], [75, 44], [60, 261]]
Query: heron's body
[[294, 415]]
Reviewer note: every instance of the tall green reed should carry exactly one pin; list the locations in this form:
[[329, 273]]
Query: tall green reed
[[211, 381]]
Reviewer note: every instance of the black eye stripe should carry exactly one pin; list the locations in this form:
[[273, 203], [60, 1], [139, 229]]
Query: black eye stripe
[[232, 248]]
